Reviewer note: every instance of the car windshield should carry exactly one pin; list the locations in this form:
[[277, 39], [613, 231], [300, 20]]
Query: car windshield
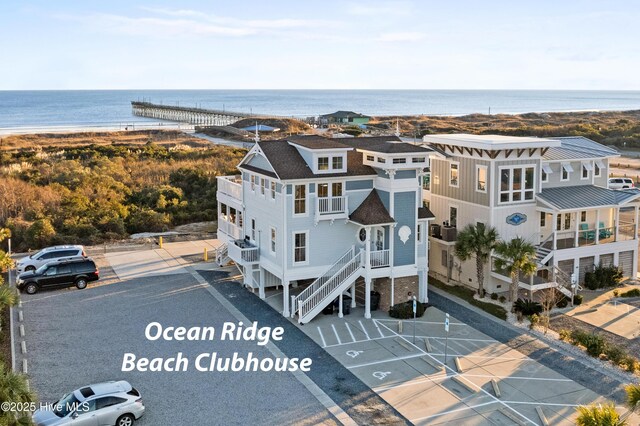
[[66, 405], [41, 269], [36, 254]]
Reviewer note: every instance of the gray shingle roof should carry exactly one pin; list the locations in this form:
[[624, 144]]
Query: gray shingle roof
[[371, 211], [578, 147], [344, 114], [425, 213], [585, 196]]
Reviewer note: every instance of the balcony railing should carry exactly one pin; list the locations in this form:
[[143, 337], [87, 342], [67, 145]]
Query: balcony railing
[[243, 252], [233, 231], [332, 205], [379, 258], [589, 236], [231, 185]]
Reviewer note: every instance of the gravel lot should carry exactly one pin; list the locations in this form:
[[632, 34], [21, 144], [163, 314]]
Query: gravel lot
[[78, 337]]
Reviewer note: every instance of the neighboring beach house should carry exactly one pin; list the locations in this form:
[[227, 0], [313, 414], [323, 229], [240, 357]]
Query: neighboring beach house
[[321, 216], [552, 192], [345, 117]]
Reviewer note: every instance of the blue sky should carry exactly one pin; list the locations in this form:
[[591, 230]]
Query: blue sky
[[116, 44]]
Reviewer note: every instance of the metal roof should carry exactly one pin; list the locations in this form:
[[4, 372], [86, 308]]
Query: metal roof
[[585, 197], [578, 147]]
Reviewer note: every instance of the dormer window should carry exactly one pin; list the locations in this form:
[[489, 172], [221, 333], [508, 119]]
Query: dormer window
[[337, 163], [418, 159], [371, 158], [399, 160], [381, 160], [323, 163]]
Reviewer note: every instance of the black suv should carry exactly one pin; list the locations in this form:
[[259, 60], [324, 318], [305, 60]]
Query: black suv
[[61, 273]]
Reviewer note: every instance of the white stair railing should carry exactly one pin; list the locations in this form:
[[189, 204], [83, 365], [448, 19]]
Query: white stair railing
[[221, 253], [327, 283]]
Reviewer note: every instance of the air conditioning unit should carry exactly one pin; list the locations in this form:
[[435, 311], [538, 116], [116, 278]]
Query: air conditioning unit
[[449, 233]]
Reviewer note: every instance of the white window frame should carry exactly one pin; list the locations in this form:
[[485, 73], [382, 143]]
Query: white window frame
[[306, 247], [273, 190], [342, 160], [565, 167], [543, 220], [457, 164], [252, 179], [585, 166], [263, 186], [306, 199], [457, 207], [328, 164], [419, 159], [419, 232], [486, 174], [523, 190], [273, 239], [599, 165], [399, 160], [371, 158], [545, 171], [252, 229]]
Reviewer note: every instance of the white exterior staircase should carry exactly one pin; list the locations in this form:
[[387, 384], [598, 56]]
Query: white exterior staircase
[[335, 281], [222, 255]]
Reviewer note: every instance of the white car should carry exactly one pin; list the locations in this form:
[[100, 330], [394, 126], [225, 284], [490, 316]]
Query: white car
[[109, 403], [621, 183], [46, 255]]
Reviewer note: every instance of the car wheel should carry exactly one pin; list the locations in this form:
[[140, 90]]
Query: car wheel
[[31, 288], [30, 268], [81, 283], [125, 420]]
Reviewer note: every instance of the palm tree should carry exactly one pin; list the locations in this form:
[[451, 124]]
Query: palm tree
[[599, 415], [479, 241], [517, 258], [13, 388]]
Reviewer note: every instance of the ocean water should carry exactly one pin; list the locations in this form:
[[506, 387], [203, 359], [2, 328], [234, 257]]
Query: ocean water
[[25, 109]]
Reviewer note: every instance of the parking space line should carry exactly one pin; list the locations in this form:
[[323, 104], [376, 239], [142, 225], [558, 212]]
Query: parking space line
[[454, 373], [336, 333], [398, 358], [359, 341], [363, 329], [324, 343], [464, 339], [346, 324], [375, 322], [424, 322], [455, 410]]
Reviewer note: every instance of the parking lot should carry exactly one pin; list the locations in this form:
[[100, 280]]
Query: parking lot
[[415, 380], [78, 337]]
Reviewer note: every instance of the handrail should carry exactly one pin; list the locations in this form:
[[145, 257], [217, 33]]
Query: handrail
[[321, 280], [331, 285]]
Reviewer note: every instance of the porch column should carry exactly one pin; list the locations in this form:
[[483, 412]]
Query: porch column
[[555, 230], [575, 225], [340, 314], [353, 295], [367, 249], [598, 226], [422, 286], [367, 297], [635, 233], [393, 284], [285, 299], [617, 223], [261, 283]]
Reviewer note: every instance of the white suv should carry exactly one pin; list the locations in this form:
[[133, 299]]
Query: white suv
[[33, 262], [620, 183]]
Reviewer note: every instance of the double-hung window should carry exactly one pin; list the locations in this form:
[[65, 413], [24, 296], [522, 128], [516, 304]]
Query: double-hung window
[[273, 190], [336, 163], [566, 171], [481, 178], [454, 170], [300, 199], [253, 182], [263, 185], [586, 168], [273, 240], [323, 163], [300, 247]]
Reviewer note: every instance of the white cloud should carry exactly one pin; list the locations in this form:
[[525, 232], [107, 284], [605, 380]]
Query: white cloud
[[397, 8], [407, 36]]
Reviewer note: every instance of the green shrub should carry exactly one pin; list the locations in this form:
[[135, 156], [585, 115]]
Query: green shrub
[[594, 344], [534, 319], [577, 299], [494, 296], [603, 277], [502, 299], [598, 415], [635, 292], [562, 303], [565, 335], [404, 310], [527, 307], [615, 353]]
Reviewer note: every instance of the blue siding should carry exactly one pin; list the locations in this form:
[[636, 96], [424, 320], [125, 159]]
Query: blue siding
[[354, 185], [260, 162], [405, 174], [312, 188], [404, 214], [289, 189], [384, 196], [381, 173]]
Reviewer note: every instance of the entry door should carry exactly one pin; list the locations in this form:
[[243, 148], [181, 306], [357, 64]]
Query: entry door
[[377, 239]]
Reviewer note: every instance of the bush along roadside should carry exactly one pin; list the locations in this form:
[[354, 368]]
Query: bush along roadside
[[598, 347], [467, 295]]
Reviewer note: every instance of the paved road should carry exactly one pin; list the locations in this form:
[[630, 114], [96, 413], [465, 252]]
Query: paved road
[[362, 404], [529, 346], [78, 337]]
